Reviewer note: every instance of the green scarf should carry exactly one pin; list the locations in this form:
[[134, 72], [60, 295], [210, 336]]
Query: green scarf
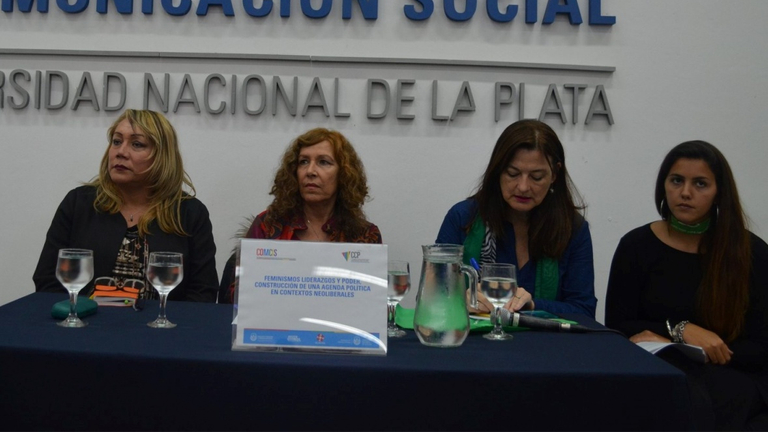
[[699, 228], [547, 269]]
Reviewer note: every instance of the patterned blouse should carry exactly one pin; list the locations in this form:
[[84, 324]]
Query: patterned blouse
[[127, 281], [286, 229]]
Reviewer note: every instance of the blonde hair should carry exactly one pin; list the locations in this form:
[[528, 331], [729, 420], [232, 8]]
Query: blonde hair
[[166, 176]]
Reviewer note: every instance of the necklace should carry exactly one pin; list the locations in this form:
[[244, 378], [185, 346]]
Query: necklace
[[699, 228], [313, 230], [136, 214]]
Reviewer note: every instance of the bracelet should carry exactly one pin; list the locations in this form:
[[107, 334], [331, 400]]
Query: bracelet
[[678, 331], [669, 330]]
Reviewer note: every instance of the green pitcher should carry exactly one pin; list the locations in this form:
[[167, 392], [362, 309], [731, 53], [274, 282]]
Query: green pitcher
[[441, 318]]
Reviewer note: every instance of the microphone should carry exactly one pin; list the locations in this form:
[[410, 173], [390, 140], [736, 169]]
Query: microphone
[[514, 319]]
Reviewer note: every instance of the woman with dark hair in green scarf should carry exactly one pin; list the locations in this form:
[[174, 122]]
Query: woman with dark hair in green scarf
[[524, 213]]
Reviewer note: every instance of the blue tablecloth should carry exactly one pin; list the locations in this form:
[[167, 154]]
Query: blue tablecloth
[[119, 374]]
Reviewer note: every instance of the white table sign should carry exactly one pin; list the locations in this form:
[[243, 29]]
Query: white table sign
[[311, 296]]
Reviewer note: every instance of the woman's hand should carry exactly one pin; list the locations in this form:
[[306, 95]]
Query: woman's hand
[[483, 304], [648, 336], [717, 351], [522, 300]]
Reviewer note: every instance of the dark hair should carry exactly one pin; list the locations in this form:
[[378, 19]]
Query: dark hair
[[551, 223], [352, 182], [723, 295]]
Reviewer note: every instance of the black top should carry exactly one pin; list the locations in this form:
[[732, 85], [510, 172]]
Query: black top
[[651, 282], [77, 224]]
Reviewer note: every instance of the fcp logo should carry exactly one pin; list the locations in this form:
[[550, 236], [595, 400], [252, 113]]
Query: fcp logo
[[350, 255]]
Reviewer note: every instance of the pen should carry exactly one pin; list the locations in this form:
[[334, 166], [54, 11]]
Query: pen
[[474, 264]]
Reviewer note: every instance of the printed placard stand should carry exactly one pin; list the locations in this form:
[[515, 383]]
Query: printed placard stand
[[310, 296]]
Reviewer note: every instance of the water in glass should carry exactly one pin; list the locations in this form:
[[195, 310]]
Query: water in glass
[[498, 284], [498, 289], [74, 270], [399, 283], [165, 271], [164, 276]]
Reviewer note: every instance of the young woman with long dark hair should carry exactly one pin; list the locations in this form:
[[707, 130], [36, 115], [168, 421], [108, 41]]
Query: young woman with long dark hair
[[698, 276]]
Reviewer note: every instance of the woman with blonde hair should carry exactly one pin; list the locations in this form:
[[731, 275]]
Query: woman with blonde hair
[[137, 204], [319, 189]]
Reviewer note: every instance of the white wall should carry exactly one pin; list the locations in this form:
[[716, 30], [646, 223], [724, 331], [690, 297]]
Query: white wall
[[688, 69]]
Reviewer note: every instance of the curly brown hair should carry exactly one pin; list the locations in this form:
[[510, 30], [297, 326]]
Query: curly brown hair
[[352, 183]]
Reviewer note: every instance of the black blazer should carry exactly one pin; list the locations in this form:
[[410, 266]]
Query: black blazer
[[77, 224]]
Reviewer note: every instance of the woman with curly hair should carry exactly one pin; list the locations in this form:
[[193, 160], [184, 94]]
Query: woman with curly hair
[[319, 189], [136, 204]]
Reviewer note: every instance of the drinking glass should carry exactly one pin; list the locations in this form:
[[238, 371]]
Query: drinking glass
[[164, 271], [499, 284], [74, 270], [399, 283]]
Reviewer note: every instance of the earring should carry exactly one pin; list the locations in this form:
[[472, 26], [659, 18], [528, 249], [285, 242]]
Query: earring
[[717, 211], [661, 209], [551, 190]]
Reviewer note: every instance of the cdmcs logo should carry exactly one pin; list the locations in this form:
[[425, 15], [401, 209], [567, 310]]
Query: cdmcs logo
[[350, 255], [266, 252]]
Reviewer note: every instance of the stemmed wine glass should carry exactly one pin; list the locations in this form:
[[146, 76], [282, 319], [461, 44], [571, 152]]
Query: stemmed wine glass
[[74, 270], [499, 284], [164, 271], [399, 278]]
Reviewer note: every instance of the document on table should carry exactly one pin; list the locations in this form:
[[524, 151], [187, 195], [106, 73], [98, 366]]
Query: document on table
[[695, 353]]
